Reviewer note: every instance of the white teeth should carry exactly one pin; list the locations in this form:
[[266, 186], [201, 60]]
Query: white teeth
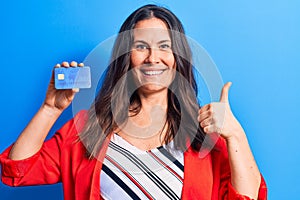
[[151, 73]]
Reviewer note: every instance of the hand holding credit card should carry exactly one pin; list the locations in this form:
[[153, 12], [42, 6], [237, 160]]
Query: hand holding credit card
[[72, 77]]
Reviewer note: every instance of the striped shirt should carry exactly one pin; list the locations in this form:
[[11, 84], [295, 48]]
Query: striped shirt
[[130, 173]]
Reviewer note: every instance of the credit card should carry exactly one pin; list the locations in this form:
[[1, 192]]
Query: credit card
[[72, 77]]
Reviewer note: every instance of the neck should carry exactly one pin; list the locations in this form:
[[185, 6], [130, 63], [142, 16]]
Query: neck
[[147, 129], [151, 100], [151, 117]]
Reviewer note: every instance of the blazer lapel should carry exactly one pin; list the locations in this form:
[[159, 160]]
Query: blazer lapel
[[198, 176]]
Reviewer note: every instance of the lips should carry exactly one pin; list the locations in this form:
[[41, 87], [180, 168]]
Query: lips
[[160, 76], [152, 71]]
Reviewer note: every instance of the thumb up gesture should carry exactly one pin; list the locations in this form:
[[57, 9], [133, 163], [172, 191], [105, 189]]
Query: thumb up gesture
[[217, 117]]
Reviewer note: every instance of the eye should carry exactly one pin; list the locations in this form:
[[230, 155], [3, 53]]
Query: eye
[[165, 46], [140, 47]]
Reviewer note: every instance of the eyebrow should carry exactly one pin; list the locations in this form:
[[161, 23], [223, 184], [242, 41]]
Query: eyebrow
[[142, 41], [163, 41]]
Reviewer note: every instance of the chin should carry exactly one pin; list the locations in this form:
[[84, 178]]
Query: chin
[[152, 88]]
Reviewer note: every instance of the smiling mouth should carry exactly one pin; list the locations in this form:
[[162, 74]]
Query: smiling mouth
[[152, 72]]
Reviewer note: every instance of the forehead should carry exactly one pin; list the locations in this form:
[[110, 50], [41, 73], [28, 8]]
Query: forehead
[[151, 30]]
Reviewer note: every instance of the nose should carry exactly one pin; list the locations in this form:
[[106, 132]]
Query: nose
[[153, 56]]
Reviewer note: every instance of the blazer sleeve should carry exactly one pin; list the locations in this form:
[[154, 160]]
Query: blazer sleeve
[[44, 167], [226, 190]]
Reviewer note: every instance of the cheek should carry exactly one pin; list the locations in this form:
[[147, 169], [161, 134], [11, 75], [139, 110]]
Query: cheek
[[170, 60], [136, 58]]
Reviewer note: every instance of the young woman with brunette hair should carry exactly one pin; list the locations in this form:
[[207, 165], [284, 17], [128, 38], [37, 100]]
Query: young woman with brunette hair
[[145, 136]]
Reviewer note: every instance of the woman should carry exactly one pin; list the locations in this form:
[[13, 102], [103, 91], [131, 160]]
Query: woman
[[141, 138]]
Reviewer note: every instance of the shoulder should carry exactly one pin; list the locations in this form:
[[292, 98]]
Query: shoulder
[[69, 132], [76, 124]]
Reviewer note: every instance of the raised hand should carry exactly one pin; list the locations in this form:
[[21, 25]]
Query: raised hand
[[31, 139], [60, 99], [217, 117]]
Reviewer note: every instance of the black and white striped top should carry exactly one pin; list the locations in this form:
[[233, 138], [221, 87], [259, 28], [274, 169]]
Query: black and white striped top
[[130, 173]]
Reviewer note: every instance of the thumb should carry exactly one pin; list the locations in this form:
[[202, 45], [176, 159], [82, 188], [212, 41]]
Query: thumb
[[224, 93]]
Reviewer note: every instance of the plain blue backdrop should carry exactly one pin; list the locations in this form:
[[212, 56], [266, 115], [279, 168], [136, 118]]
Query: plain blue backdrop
[[255, 44]]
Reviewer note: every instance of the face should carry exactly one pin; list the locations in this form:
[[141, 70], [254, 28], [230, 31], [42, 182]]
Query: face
[[152, 59]]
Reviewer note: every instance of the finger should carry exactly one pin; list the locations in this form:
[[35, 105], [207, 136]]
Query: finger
[[206, 122], [205, 108], [211, 129], [57, 65], [73, 64], [224, 93], [80, 65], [204, 115], [75, 90], [70, 94], [65, 64]]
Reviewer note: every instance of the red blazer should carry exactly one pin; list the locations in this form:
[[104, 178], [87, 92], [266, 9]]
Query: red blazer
[[63, 159]]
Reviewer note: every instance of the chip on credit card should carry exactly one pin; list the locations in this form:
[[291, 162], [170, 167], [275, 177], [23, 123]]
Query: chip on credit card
[[72, 77]]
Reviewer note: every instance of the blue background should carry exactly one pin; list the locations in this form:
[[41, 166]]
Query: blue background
[[255, 44]]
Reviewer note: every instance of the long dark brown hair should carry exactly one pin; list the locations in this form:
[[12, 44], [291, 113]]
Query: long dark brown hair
[[181, 118]]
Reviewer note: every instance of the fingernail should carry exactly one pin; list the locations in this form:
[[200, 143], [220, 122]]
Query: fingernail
[[75, 90], [73, 64], [65, 64]]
